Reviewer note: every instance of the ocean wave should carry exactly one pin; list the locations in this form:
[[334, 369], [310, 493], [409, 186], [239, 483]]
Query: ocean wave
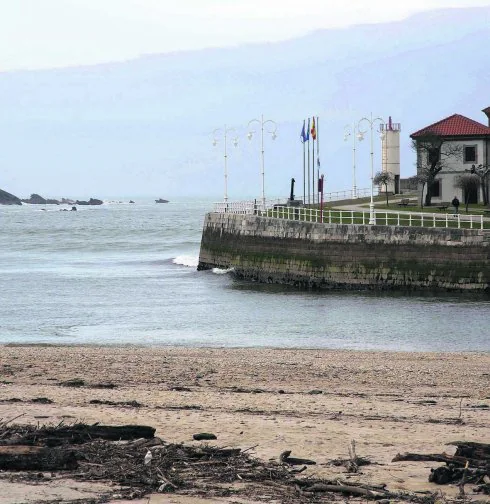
[[186, 260], [219, 271]]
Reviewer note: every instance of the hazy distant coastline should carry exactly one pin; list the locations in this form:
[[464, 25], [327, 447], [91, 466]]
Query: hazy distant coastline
[[148, 123]]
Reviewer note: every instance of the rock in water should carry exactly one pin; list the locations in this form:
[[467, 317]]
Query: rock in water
[[9, 199]]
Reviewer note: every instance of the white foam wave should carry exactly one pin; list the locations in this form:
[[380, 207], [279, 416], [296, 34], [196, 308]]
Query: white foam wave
[[186, 260], [218, 271]]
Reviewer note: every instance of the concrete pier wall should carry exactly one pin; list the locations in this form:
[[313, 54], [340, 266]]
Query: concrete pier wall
[[328, 256]]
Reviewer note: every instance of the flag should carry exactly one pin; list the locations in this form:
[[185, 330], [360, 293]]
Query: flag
[[308, 131], [318, 161], [304, 136], [313, 129]]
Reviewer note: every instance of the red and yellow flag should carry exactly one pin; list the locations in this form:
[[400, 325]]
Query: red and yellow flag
[[313, 129]]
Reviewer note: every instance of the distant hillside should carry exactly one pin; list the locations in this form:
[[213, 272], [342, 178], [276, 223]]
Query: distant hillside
[[144, 127]]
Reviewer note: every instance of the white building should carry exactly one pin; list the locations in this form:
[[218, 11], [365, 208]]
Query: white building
[[390, 154], [455, 132]]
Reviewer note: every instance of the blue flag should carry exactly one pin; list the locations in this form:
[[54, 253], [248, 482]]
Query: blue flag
[[303, 135]]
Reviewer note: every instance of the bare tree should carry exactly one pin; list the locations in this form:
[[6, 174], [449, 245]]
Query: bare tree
[[420, 180], [467, 182], [383, 178], [434, 154], [483, 173]]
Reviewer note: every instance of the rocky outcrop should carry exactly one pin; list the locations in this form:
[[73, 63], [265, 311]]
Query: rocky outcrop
[[91, 201], [9, 199], [36, 199]]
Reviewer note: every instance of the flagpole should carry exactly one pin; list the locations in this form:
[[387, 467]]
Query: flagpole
[[304, 172], [314, 181], [313, 189], [308, 160], [317, 148], [320, 183]]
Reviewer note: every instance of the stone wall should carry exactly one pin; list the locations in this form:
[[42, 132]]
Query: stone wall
[[314, 255]]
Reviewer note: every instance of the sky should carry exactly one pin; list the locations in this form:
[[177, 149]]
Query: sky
[[38, 34]]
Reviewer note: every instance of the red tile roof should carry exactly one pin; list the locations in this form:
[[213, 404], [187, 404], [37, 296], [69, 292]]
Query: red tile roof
[[455, 125]]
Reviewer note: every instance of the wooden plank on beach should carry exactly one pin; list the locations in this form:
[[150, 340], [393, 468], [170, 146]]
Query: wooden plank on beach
[[81, 433], [36, 458]]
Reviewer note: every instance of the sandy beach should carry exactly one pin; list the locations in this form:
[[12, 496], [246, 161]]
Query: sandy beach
[[312, 402]]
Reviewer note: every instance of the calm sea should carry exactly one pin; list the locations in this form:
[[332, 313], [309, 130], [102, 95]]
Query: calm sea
[[126, 274]]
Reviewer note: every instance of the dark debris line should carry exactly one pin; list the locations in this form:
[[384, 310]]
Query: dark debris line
[[199, 470]]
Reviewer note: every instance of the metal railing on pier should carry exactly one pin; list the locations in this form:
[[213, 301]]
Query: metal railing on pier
[[252, 206], [344, 195], [383, 218]]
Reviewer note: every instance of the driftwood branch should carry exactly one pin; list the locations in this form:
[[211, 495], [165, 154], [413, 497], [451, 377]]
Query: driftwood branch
[[36, 458], [284, 458], [345, 489], [439, 457], [472, 450], [81, 433]]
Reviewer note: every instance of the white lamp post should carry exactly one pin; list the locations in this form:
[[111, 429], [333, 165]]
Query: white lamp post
[[225, 132], [352, 131], [360, 137], [272, 132]]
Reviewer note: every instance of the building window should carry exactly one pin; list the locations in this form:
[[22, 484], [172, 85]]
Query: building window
[[433, 155], [435, 189], [470, 154]]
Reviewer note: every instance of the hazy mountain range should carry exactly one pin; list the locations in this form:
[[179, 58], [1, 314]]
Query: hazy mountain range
[[144, 127]]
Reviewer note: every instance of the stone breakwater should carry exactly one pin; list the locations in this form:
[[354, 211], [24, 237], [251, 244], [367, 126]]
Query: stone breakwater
[[336, 256]]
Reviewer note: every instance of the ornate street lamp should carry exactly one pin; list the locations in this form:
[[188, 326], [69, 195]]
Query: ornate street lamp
[[270, 130], [360, 136], [224, 132]]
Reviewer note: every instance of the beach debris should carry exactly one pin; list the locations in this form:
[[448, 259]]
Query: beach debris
[[104, 385], [204, 436], [78, 433], [36, 458], [353, 463], [35, 400], [75, 382], [470, 464], [349, 489], [284, 458], [130, 404], [202, 470]]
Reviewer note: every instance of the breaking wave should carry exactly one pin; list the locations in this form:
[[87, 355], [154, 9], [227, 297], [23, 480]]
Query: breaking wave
[[186, 260], [219, 271]]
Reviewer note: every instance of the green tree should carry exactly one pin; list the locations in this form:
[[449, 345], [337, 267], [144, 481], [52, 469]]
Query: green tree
[[383, 178]]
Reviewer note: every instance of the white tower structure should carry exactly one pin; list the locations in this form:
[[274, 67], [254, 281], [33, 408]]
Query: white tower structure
[[390, 154]]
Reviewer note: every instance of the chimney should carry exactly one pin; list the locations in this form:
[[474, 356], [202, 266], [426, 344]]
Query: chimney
[[486, 111]]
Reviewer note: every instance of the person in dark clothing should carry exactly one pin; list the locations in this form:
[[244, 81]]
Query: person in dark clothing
[[455, 204]]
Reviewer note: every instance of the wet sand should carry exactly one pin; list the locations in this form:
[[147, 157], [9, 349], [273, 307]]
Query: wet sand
[[312, 402]]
